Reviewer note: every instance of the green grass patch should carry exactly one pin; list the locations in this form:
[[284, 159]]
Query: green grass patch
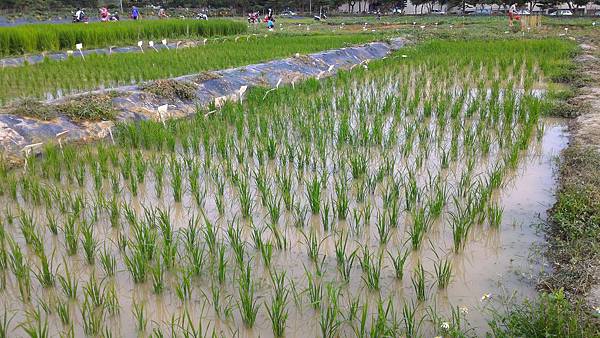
[[552, 315]]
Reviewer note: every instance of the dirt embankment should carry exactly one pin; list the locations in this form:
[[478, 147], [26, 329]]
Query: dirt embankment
[[574, 233]]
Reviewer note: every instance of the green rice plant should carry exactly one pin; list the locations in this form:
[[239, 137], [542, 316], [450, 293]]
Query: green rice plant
[[461, 224], [68, 283], [273, 205], [418, 282], [384, 323], [412, 324], [326, 221], [494, 215], [28, 229], [20, 268], [313, 193], [39, 327], [88, 242], [443, 272], [137, 264], [266, 251], [176, 180], [52, 222], [108, 262], [314, 290], [313, 245], [419, 227], [221, 263], [71, 233], [248, 304], [183, 289], [92, 291], [45, 273], [330, 317], [342, 202], [383, 228], [398, 261], [64, 313], [245, 197], [371, 265], [194, 251], [277, 311], [92, 318], [139, 313], [158, 277], [111, 299]]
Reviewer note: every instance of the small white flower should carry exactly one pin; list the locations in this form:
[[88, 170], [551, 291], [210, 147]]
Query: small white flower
[[486, 296], [445, 326], [464, 310]]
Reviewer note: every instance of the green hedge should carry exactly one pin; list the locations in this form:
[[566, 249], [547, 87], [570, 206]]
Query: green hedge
[[51, 37]]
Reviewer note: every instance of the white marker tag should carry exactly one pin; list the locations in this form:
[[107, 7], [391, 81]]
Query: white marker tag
[[79, 46], [69, 52], [151, 44], [140, 43], [164, 42]]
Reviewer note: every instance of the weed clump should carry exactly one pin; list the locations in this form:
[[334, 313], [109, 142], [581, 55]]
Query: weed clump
[[89, 108], [171, 89], [30, 107]]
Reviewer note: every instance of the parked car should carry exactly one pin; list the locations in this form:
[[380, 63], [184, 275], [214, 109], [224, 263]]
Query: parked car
[[523, 12], [481, 11], [562, 12], [288, 13], [437, 12]]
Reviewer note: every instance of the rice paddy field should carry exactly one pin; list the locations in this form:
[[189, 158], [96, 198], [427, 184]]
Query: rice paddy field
[[54, 79], [26, 39], [394, 199]]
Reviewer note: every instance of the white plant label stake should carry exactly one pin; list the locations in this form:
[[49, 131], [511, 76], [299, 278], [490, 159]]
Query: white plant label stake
[[27, 150], [164, 42], [241, 93], [59, 138], [151, 44], [79, 47], [162, 111], [140, 44], [111, 135]]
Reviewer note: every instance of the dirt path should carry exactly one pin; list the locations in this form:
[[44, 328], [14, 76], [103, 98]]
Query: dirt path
[[587, 127], [586, 134]]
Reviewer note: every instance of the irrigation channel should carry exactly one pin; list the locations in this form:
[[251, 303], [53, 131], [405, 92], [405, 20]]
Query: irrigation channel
[[400, 199]]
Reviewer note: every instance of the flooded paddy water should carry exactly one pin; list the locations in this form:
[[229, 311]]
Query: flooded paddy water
[[387, 201]]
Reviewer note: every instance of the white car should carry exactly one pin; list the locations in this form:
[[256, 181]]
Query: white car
[[437, 12], [523, 12], [562, 12]]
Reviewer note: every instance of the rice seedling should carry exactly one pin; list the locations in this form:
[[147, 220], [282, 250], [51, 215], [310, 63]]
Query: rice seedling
[[398, 261], [88, 242], [330, 318], [494, 215], [313, 193], [371, 265], [20, 268], [139, 313], [108, 262], [64, 313], [277, 311], [248, 304], [418, 281], [68, 282], [45, 274]]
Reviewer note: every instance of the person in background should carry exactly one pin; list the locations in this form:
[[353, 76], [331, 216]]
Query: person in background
[[162, 14], [512, 12], [135, 13], [103, 14]]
